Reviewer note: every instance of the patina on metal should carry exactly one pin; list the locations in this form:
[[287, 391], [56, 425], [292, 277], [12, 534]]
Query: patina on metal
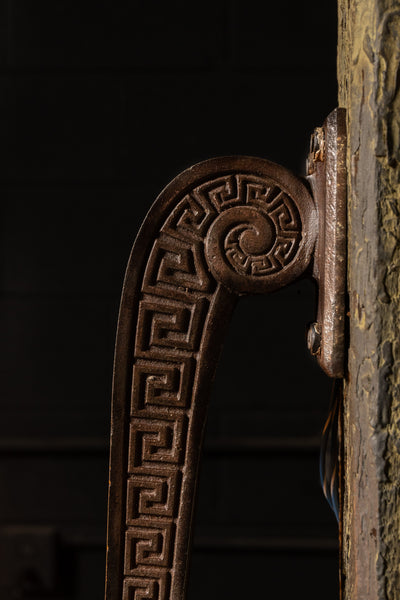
[[223, 228], [327, 174]]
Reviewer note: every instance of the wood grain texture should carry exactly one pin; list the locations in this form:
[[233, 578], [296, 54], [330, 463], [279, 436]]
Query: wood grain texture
[[368, 73]]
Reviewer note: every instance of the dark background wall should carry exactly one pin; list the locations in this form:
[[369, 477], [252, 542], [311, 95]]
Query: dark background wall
[[103, 102]]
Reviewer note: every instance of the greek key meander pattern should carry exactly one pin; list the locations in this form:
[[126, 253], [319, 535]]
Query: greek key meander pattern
[[176, 293]]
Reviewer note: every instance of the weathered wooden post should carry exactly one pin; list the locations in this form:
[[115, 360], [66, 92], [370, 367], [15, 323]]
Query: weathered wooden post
[[368, 73]]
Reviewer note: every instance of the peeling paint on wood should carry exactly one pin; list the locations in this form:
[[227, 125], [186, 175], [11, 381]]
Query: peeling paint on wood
[[369, 87]]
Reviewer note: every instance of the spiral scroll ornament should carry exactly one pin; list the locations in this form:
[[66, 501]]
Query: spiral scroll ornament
[[254, 246]]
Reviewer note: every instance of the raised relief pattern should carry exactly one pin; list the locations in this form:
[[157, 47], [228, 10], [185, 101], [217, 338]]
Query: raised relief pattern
[[254, 229], [256, 235]]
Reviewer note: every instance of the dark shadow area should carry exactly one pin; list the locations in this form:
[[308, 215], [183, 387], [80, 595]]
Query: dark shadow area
[[260, 501]]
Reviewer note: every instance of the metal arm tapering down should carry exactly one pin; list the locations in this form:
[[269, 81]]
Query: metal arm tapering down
[[223, 228]]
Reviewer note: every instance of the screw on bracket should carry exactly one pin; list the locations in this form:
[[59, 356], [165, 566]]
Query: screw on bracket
[[317, 149], [314, 338]]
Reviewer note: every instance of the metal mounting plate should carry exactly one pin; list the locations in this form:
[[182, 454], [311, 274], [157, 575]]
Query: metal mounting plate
[[326, 168]]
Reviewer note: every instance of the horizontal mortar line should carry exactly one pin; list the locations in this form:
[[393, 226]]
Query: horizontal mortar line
[[49, 446], [61, 532], [224, 543], [151, 70], [266, 543], [77, 294], [60, 184], [82, 541], [232, 445], [107, 71], [272, 443]]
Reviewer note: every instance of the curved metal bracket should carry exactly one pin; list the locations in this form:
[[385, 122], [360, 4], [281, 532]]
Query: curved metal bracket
[[223, 228]]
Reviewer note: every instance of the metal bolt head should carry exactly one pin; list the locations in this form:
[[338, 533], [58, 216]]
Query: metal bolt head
[[317, 150], [314, 338]]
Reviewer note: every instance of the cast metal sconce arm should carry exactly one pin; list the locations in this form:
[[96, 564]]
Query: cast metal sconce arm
[[223, 228]]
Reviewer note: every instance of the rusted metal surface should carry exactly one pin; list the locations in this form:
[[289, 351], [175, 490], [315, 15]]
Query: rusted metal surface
[[223, 228], [327, 176]]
